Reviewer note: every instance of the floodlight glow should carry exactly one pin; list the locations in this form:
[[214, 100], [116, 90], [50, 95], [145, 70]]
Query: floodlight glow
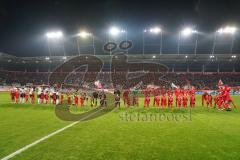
[[155, 30], [153, 56], [54, 35], [186, 56], [234, 56], [64, 58], [84, 34], [114, 31], [188, 31], [47, 58], [59, 34], [211, 56], [227, 30]]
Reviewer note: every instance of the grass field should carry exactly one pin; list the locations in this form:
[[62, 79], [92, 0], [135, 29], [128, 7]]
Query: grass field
[[209, 134]]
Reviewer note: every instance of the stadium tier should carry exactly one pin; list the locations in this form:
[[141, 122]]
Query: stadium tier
[[202, 71], [174, 62]]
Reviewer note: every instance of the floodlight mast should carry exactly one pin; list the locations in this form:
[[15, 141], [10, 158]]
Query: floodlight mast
[[153, 30], [85, 35], [228, 30], [55, 35], [186, 32], [115, 32]]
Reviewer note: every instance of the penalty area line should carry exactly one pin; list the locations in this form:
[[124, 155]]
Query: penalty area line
[[46, 137]]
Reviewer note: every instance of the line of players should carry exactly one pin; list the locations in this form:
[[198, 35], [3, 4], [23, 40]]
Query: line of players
[[29, 95], [183, 98], [162, 97], [222, 100], [55, 96]]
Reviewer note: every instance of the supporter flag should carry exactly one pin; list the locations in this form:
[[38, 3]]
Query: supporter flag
[[173, 85], [98, 84], [220, 83]]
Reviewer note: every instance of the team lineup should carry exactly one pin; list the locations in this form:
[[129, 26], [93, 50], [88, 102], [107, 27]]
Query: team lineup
[[164, 98]]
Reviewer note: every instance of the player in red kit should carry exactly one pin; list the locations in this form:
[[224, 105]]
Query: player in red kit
[[46, 97], [179, 101], [220, 102], [54, 97], [69, 98], [17, 96], [192, 91], [26, 95], [163, 100], [170, 99], [215, 100], [126, 99], [146, 97], [33, 97], [41, 97], [61, 98], [192, 100], [227, 100], [82, 100], [75, 99], [147, 101], [12, 94], [156, 100], [209, 100], [204, 98], [184, 100], [177, 93]]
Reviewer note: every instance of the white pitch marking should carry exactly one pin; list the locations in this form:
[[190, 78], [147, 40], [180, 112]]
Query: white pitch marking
[[45, 137]]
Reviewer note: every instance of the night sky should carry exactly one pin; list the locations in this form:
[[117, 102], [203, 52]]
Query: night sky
[[24, 23]]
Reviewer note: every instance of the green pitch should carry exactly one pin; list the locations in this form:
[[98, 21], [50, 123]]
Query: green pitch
[[204, 134]]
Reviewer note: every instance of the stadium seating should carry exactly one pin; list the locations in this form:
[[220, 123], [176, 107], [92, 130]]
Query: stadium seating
[[199, 80]]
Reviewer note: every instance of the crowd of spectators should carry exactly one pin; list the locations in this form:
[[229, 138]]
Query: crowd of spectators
[[199, 80]]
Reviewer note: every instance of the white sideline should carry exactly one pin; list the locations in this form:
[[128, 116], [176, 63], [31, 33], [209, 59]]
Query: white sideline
[[46, 137]]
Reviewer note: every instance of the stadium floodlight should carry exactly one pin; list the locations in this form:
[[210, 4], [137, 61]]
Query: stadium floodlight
[[227, 30], [64, 58], [188, 31], [153, 56], [186, 56], [155, 30], [84, 34], [54, 35], [212, 56], [234, 56], [47, 58], [114, 31]]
